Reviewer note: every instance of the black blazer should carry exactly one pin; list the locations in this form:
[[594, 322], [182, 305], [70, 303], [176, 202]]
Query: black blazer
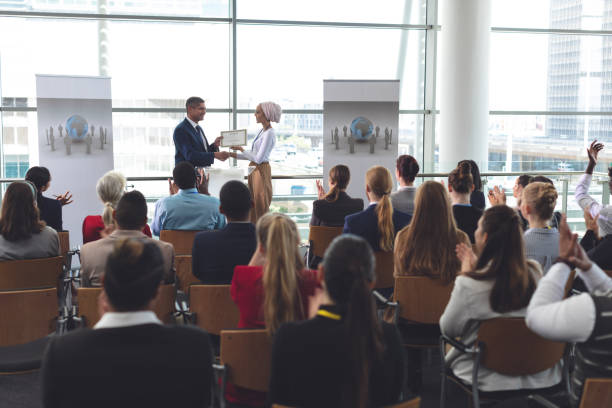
[[311, 362], [188, 146], [331, 214], [148, 365], [50, 211], [365, 224], [477, 199], [467, 218], [216, 253]]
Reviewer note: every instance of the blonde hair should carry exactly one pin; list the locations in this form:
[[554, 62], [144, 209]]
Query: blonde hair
[[279, 236], [427, 245], [110, 188], [542, 198], [380, 182]]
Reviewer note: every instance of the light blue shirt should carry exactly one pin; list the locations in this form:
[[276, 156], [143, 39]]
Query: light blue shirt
[[187, 210]]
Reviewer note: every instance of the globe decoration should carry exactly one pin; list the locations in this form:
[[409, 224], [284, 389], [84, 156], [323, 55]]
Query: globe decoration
[[362, 129], [76, 127]]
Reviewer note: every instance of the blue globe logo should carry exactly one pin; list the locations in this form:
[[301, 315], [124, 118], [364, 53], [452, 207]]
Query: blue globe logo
[[362, 128], [76, 127]]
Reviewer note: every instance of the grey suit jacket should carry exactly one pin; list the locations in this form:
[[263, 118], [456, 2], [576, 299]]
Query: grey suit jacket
[[403, 199], [94, 255]]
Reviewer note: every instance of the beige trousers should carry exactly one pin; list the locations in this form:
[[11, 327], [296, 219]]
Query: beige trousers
[[260, 184]]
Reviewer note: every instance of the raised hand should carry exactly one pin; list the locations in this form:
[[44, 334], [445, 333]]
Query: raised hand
[[497, 196], [593, 152], [320, 190], [65, 198], [467, 257]]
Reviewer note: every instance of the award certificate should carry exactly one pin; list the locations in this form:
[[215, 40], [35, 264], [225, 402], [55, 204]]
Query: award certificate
[[234, 138]]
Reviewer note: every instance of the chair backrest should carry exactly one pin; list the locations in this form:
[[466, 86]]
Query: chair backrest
[[384, 269], [246, 354], [27, 315], [213, 307], [413, 403], [184, 272], [510, 348], [320, 238], [87, 299], [421, 299], [30, 273], [597, 392], [181, 240], [64, 242]]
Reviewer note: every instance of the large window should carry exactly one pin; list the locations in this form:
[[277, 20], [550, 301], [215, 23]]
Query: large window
[[159, 52]]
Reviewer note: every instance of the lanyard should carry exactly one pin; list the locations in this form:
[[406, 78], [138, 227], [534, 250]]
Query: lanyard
[[329, 315]]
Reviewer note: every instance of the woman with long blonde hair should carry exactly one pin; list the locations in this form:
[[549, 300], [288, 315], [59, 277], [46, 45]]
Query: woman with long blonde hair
[[273, 289], [427, 245], [378, 223]]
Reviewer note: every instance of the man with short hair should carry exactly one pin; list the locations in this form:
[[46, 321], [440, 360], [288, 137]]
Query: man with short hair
[[130, 217], [187, 209], [189, 140], [129, 358], [216, 253]]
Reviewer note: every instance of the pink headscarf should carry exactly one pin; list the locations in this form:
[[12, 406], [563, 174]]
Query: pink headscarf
[[271, 110]]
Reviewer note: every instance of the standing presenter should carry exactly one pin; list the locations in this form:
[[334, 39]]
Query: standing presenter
[[260, 179], [189, 140]]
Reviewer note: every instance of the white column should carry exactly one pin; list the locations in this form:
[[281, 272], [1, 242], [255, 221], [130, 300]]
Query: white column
[[464, 82]]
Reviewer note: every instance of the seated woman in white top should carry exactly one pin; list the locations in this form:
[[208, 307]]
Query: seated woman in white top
[[541, 241], [260, 179], [22, 234], [497, 283]]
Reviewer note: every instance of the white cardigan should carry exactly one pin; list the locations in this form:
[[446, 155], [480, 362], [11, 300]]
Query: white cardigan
[[468, 306]]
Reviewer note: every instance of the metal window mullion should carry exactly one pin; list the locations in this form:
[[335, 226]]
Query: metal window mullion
[[429, 97], [95, 16], [560, 31]]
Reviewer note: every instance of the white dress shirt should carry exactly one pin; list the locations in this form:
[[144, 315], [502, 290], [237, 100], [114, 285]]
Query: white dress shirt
[[261, 149], [586, 202], [112, 320], [571, 319]]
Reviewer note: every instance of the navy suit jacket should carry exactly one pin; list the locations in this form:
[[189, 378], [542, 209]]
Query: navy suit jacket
[[365, 224], [188, 146], [50, 211], [216, 253]]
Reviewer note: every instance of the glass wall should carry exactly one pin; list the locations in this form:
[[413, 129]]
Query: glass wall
[[159, 52]]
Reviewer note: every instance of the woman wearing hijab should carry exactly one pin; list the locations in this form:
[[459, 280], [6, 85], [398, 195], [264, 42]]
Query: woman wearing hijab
[[260, 179]]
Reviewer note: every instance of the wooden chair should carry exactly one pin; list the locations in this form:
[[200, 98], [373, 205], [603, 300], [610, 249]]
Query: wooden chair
[[27, 315], [597, 392], [608, 272], [31, 273], [413, 403], [245, 359], [212, 308], [384, 269], [184, 272], [87, 299], [320, 238], [64, 241], [508, 347], [421, 299], [181, 240]]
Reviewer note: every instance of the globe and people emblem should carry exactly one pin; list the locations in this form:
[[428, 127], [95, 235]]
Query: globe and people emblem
[[362, 128], [77, 127]]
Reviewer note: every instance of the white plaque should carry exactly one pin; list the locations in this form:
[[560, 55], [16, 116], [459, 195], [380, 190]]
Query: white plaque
[[234, 138]]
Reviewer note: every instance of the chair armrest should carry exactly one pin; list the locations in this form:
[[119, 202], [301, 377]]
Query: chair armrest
[[464, 348], [220, 379]]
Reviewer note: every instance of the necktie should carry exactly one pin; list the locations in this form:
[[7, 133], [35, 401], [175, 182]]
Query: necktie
[[201, 132]]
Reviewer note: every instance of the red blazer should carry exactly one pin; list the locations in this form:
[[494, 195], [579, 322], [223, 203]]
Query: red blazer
[[93, 225], [247, 292]]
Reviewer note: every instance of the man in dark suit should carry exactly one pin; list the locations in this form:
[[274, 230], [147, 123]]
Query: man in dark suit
[[189, 140], [129, 358], [216, 253], [50, 209]]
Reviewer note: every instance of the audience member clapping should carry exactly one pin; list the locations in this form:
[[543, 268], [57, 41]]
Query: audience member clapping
[[499, 282], [332, 207], [344, 357], [22, 234]]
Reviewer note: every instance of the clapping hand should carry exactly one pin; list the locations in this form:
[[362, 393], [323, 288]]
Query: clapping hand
[[172, 187], [467, 257], [320, 189], [65, 198], [569, 248], [202, 182], [591, 222], [497, 196]]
